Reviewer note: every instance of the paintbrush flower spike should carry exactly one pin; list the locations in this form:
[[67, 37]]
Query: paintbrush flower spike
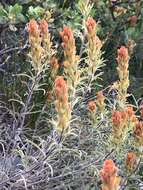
[[131, 161], [123, 73], [62, 104], [72, 73], [109, 177], [36, 47], [94, 52]]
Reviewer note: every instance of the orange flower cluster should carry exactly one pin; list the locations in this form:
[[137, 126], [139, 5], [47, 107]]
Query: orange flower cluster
[[91, 106], [123, 56], [109, 176], [138, 133], [117, 118], [118, 125], [41, 51], [46, 41], [39, 39], [122, 121], [123, 83], [100, 101], [131, 161], [68, 38], [61, 89], [131, 115], [91, 25], [62, 104], [92, 36], [94, 48], [33, 28], [35, 42], [43, 27], [71, 60]]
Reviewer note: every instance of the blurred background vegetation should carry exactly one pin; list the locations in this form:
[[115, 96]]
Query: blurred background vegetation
[[121, 23]]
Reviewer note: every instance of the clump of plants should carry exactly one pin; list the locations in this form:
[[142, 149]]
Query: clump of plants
[[63, 130]]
